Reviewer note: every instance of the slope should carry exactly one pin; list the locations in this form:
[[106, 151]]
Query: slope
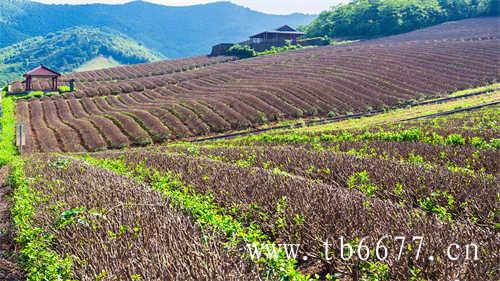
[[99, 62], [318, 82]]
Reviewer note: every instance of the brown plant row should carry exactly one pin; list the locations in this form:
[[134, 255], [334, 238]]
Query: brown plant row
[[247, 93], [479, 160], [463, 30], [87, 80], [474, 198], [385, 64], [293, 209], [470, 125], [145, 69], [123, 230]]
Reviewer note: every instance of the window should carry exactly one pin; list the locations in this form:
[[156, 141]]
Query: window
[[257, 40]]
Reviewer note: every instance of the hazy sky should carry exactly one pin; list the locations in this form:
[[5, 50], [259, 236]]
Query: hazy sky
[[268, 6]]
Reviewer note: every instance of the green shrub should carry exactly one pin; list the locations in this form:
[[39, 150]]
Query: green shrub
[[495, 143], [478, 142], [455, 139], [361, 181], [441, 203], [241, 51], [277, 50], [415, 159], [64, 88], [325, 40]]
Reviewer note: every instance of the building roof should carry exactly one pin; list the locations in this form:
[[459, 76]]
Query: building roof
[[42, 71], [285, 29]]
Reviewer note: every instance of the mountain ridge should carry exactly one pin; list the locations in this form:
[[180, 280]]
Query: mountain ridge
[[173, 31], [68, 49]]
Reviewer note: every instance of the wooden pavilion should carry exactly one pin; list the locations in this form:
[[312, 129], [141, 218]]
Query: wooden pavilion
[[41, 72]]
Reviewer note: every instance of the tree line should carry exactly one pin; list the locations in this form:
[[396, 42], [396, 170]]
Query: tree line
[[368, 18]]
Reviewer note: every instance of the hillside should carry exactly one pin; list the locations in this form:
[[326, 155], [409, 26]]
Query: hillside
[[68, 49], [203, 97], [361, 18], [173, 31], [375, 160], [99, 62]]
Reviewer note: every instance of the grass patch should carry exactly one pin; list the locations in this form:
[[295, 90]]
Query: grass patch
[[33, 94], [491, 87], [396, 115], [7, 130]]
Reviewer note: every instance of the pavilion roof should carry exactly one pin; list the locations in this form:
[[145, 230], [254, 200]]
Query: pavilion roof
[[42, 71]]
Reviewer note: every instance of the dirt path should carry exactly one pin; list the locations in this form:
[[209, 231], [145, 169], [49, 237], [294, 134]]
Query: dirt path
[[9, 270]]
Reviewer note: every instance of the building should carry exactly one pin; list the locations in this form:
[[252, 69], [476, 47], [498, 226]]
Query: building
[[279, 35], [264, 40], [41, 72]]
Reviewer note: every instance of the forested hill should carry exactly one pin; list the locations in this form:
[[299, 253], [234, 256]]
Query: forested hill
[[368, 18], [68, 49], [172, 31]]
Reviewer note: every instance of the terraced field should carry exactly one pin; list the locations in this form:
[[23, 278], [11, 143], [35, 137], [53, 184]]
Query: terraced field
[[347, 176], [132, 234], [436, 178], [153, 103], [87, 80]]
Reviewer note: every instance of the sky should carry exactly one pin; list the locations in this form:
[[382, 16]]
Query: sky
[[267, 6]]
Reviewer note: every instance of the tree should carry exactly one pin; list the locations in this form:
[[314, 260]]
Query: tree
[[365, 18], [493, 8], [241, 51]]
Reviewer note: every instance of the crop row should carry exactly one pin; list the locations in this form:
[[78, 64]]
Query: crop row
[[452, 195], [420, 153], [145, 69], [443, 135], [431, 62], [297, 210], [133, 235], [402, 70], [469, 29], [246, 93], [58, 124], [433, 141], [86, 81], [485, 119]]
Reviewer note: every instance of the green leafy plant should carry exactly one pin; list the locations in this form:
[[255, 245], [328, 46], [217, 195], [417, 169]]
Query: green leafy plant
[[361, 182], [60, 163], [71, 216], [455, 139], [39, 261], [441, 203]]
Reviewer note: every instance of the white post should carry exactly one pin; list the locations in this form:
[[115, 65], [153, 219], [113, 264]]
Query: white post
[[20, 136]]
